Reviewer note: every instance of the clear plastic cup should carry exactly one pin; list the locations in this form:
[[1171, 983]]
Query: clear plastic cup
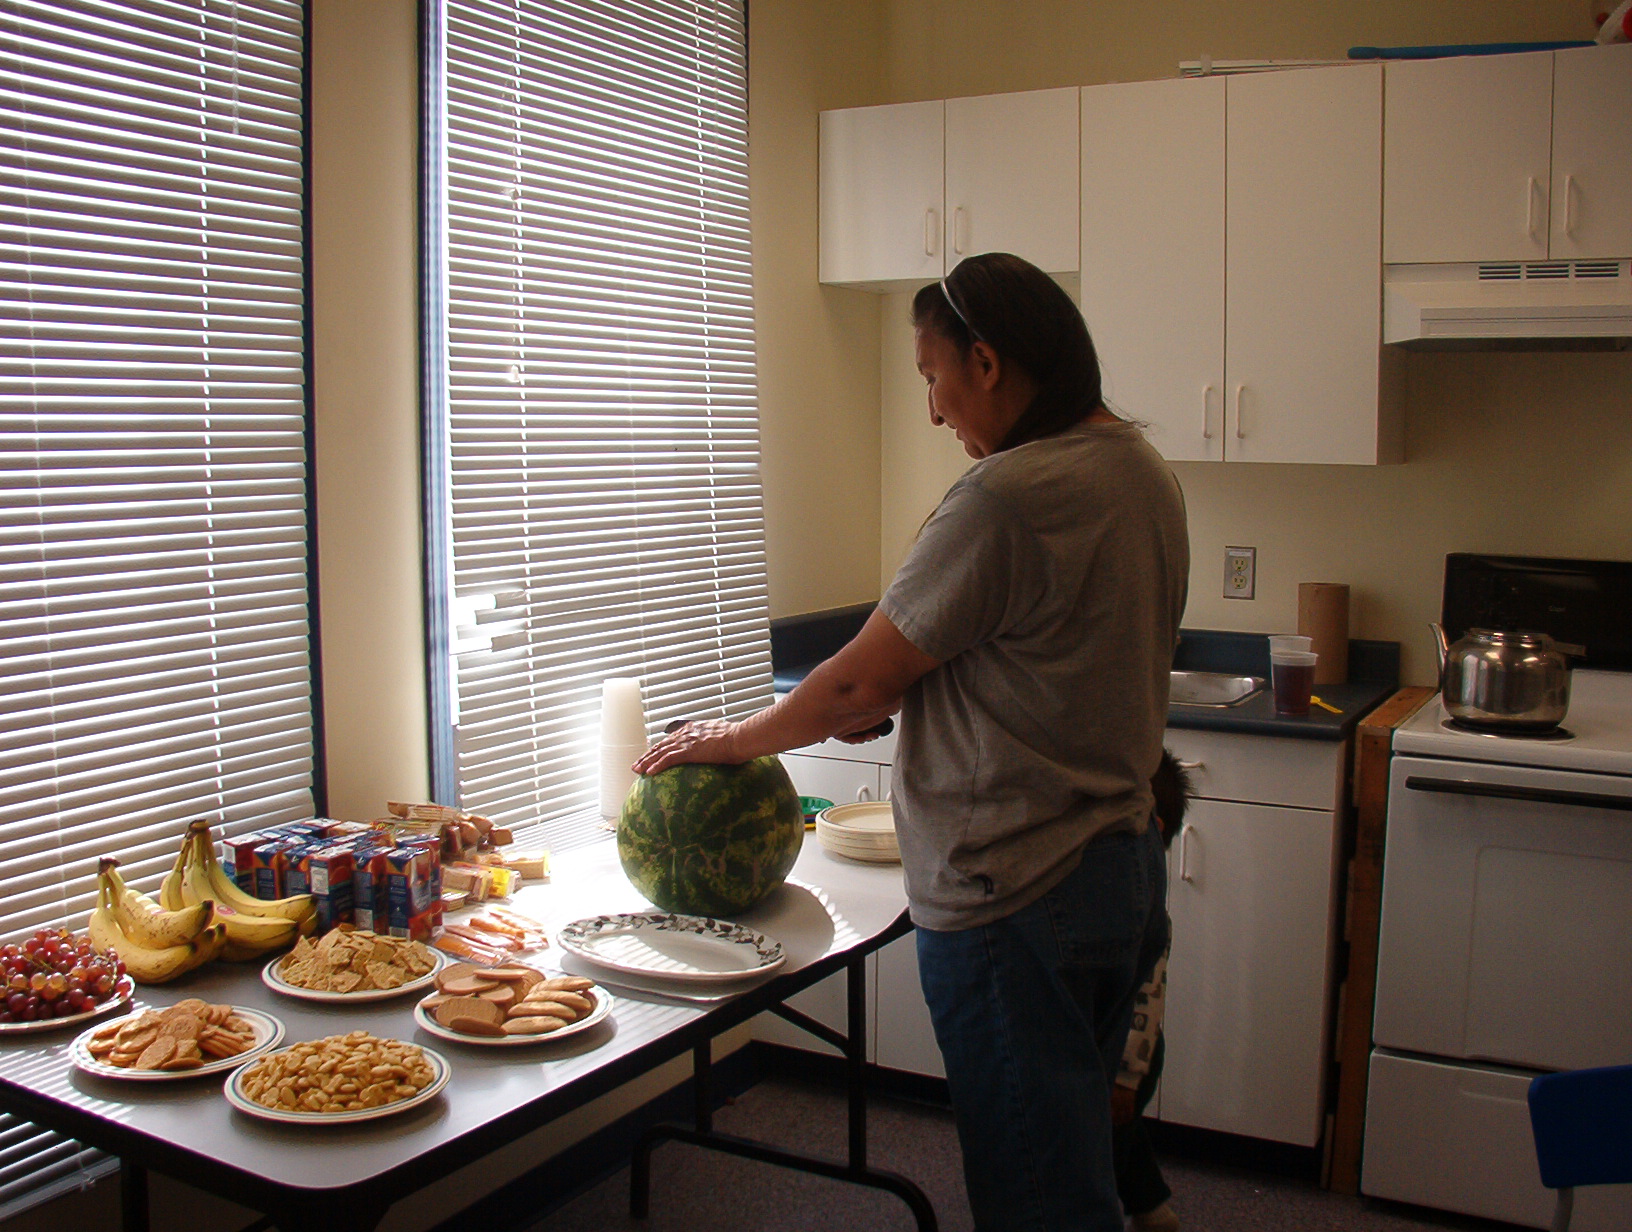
[[1289, 641], [1292, 677]]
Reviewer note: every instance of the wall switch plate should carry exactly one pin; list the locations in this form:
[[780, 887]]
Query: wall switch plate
[[1240, 572]]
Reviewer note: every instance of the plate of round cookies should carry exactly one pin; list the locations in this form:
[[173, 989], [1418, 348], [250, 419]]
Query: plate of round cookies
[[188, 1040], [510, 1006]]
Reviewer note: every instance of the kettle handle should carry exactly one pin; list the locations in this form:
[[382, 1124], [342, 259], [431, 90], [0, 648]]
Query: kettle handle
[[1440, 644]]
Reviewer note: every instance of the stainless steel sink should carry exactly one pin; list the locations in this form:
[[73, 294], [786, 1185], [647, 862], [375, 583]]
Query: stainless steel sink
[[1212, 688]]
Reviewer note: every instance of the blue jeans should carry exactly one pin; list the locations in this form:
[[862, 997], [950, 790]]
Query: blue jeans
[[1031, 1014]]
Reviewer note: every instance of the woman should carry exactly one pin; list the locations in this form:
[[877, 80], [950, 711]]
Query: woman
[[1026, 642]]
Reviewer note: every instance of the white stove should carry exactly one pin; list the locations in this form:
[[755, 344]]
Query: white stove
[[1596, 734], [1505, 947]]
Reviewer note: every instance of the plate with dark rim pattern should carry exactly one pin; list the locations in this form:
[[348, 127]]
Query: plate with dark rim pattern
[[690, 949]]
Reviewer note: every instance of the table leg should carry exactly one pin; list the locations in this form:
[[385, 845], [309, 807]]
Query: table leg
[[132, 1197], [855, 1059], [854, 1170]]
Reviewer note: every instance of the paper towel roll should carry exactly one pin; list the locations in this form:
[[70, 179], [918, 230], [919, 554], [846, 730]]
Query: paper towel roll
[[1323, 617], [623, 739]]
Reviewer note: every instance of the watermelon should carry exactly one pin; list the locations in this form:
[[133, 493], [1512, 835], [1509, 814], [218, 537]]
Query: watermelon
[[711, 840]]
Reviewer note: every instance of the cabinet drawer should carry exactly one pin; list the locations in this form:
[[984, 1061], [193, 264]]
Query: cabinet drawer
[[839, 781], [880, 752], [1261, 769]]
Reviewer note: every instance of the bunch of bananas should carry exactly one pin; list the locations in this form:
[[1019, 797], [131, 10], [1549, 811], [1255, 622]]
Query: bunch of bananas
[[254, 926], [155, 944]]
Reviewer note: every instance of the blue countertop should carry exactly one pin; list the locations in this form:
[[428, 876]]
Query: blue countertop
[[799, 643]]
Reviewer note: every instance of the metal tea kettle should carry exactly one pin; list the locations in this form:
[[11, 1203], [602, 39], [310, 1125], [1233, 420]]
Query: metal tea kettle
[[1499, 680]]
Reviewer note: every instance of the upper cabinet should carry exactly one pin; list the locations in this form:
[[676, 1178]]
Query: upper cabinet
[[908, 190], [1153, 256], [1509, 158], [1276, 178]]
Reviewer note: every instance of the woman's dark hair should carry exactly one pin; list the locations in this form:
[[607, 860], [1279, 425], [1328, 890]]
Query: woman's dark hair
[[1022, 314]]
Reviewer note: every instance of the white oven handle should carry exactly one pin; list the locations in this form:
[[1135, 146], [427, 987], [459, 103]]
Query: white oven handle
[[1507, 791]]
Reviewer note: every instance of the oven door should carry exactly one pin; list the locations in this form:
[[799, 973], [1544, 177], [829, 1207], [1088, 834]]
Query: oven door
[[1507, 915]]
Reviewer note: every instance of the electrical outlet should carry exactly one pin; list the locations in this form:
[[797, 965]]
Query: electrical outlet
[[1240, 572]]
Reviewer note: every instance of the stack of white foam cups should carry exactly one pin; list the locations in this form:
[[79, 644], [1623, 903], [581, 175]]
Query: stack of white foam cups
[[623, 739]]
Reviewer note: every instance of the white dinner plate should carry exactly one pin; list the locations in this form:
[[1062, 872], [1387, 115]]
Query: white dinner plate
[[122, 993], [271, 977], [603, 1006], [863, 830], [865, 855], [869, 817], [685, 948], [235, 1096], [268, 1031]]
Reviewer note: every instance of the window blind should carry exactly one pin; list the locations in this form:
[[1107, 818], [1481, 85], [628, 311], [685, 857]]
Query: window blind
[[153, 630], [601, 442]]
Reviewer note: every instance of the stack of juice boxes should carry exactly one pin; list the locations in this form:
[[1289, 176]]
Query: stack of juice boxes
[[363, 874]]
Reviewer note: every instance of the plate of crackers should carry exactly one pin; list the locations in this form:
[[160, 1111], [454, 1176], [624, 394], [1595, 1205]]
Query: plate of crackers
[[188, 1040], [352, 964], [337, 1080], [510, 1006]]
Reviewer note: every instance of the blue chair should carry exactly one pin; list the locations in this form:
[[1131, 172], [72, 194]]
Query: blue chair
[[1582, 1120]]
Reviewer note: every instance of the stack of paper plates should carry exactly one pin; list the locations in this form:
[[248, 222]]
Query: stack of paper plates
[[864, 830]]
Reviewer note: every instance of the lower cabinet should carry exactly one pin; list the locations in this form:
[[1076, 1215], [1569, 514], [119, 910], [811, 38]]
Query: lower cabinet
[[1249, 893], [904, 1036], [1252, 893], [1252, 882], [838, 772]]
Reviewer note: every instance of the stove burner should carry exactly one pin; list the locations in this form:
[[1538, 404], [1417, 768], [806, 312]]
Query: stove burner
[[1554, 735]]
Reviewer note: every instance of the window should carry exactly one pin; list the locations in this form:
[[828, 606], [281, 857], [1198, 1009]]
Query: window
[[153, 627], [594, 439]]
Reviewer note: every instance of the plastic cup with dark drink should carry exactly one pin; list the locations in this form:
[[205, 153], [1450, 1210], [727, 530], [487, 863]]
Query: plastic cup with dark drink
[[1292, 676]]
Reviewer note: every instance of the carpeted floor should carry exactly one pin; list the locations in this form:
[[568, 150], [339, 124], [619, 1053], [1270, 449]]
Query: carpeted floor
[[704, 1191]]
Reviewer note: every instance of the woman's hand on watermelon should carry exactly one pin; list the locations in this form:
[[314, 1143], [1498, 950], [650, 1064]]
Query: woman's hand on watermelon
[[705, 740]]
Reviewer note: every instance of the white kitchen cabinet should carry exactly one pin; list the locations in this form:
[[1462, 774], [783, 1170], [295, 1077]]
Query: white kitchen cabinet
[[904, 1033], [842, 773], [909, 189], [831, 779], [1252, 895], [1153, 256], [1276, 179], [1509, 158], [901, 1035]]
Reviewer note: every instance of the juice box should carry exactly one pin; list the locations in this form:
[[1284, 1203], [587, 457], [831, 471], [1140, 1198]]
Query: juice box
[[369, 904], [432, 846], [236, 859], [411, 897], [330, 879], [267, 863]]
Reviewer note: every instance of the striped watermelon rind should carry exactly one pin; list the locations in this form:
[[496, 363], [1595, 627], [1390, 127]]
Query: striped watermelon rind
[[711, 840]]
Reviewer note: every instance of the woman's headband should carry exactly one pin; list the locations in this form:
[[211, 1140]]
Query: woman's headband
[[946, 291]]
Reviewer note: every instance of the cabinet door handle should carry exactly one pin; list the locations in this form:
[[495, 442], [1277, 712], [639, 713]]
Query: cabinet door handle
[[1240, 428], [864, 793], [1184, 854], [1206, 395], [932, 228], [957, 230], [1192, 765], [1569, 206], [1530, 188]]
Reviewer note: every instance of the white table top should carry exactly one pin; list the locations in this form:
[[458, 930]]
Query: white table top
[[829, 906]]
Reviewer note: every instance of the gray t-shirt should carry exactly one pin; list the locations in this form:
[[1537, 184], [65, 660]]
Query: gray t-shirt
[[1050, 583]]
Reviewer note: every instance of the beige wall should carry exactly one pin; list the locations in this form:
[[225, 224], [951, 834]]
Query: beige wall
[[818, 352], [365, 293], [1518, 453]]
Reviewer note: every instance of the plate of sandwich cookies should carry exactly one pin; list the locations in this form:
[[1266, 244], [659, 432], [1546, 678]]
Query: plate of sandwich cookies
[[510, 1006]]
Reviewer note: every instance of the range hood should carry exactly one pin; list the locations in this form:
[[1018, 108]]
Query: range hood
[[1512, 305]]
